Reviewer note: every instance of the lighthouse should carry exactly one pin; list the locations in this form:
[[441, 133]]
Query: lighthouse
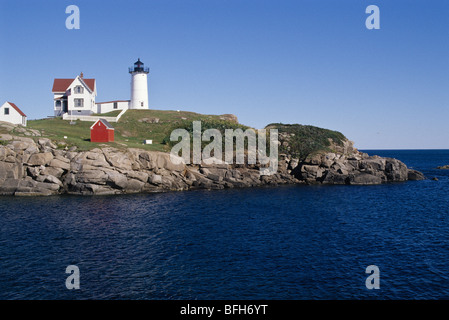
[[139, 86]]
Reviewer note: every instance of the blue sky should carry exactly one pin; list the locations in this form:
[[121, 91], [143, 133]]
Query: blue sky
[[303, 61]]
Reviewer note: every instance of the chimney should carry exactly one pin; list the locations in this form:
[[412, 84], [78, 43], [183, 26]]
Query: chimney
[[81, 75]]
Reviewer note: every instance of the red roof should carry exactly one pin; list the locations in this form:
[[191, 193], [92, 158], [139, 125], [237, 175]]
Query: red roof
[[17, 109], [61, 85]]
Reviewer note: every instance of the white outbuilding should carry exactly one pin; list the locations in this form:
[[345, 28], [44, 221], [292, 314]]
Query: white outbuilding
[[9, 112]]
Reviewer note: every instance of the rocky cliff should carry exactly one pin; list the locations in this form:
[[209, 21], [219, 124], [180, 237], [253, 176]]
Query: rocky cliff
[[29, 168], [349, 166]]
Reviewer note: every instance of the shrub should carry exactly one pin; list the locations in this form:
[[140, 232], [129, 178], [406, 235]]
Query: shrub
[[306, 139]]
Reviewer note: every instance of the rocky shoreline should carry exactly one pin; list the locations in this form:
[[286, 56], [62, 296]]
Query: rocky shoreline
[[40, 168]]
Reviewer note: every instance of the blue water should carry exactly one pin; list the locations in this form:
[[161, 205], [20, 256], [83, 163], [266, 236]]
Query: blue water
[[291, 242]]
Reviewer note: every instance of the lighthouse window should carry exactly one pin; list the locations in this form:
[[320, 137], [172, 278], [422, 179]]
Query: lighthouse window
[[115, 105], [79, 103], [6, 111], [141, 104]]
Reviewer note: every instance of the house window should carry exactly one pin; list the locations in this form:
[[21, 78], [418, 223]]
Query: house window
[[79, 103], [6, 111], [79, 89], [115, 105], [58, 103]]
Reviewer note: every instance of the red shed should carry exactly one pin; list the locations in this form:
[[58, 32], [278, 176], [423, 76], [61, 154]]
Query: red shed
[[101, 131]]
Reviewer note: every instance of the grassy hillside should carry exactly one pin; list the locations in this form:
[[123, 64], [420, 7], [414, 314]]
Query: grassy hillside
[[138, 125], [305, 140], [134, 127]]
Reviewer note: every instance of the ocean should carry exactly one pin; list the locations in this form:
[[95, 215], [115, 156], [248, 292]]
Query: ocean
[[286, 242]]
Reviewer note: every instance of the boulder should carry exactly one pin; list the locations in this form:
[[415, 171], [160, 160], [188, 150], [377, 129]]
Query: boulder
[[6, 137], [20, 187], [213, 162], [364, 179], [311, 172], [44, 142], [293, 164], [92, 177], [92, 159], [8, 186], [57, 163], [19, 145], [163, 161], [144, 158], [50, 171], [46, 185], [52, 179], [4, 152], [117, 180], [69, 180], [14, 159], [415, 175], [333, 177], [149, 120], [313, 159], [395, 170], [372, 165], [155, 179], [39, 159], [92, 189], [134, 186], [33, 171], [32, 148], [214, 177], [138, 175], [117, 159], [7, 125], [327, 160], [10, 170]]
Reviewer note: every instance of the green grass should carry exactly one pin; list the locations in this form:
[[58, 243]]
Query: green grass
[[307, 140], [114, 113], [134, 130], [129, 131]]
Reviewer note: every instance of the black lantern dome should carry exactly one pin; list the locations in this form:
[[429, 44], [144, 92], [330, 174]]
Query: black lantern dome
[[138, 67]]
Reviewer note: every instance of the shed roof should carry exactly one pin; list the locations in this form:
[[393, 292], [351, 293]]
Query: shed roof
[[105, 122]]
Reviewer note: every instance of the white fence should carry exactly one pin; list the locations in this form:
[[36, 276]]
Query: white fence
[[66, 116]]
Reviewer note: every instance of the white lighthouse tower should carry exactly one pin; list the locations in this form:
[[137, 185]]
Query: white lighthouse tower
[[139, 86]]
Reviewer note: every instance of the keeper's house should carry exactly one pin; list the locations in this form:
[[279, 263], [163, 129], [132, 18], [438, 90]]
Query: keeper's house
[[9, 112], [74, 96]]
